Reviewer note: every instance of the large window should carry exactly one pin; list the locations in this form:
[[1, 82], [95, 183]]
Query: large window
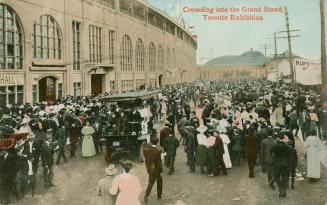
[[77, 89], [111, 47], [60, 91], [47, 39], [11, 95], [76, 45], [11, 39], [160, 58], [126, 52], [152, 57], [95, 43], [139, 55], [34, 93], [127, 85], [168, 59]]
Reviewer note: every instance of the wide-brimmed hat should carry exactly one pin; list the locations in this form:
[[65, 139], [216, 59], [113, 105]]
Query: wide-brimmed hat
[[19, 143], [110, 170], [25, 121], [30, 135], [202, 129]]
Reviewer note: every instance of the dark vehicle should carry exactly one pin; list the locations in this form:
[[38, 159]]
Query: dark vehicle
[[131, 138]]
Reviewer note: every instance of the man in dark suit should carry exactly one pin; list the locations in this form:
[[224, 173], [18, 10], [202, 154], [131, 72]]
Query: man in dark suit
[[33, 147], [62, 141], [219, 161], [97, 126], [134, 120], [23, 156], [47, 156], [8, 170], [154, 168], [251, 149]]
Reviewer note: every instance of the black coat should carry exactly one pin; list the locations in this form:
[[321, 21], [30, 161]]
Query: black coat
[[47, 154], [281, 153], [170, 145]]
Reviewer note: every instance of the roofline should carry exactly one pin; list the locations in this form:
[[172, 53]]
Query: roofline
[[168, 17]]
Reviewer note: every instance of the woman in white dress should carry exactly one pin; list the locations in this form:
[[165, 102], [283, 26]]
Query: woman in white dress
[[226, 141]]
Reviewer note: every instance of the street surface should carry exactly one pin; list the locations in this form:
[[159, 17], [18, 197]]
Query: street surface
[[76, 183]]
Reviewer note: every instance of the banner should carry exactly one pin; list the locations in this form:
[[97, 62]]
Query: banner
[[308, 72]]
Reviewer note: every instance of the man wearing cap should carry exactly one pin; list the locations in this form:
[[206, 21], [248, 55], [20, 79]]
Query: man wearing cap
[[154, 168], [47, 156], [267, 158], [104, 185], [281, 153], [251, 150], [170, 146], [33, 149], [190, 148]]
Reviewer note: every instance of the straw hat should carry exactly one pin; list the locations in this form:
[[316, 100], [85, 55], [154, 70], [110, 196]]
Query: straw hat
[[110, 170], [202, 129]]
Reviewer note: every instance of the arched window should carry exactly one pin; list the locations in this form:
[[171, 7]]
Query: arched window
[[47, 39], [152, 57], [139, 55], [126, 51], [160, 58], [11, 39], [168, 59]]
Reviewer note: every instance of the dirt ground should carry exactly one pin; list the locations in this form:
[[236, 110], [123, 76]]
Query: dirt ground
[[76, 183]]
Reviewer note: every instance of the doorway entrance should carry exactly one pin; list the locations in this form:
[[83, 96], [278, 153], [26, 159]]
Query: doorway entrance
[[96, 84], [47, 89]]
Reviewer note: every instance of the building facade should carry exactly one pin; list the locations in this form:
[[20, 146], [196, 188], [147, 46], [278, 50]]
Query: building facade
[[51, 49]]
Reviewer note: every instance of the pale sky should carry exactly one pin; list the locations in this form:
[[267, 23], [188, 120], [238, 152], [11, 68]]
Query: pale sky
[[217, 38]]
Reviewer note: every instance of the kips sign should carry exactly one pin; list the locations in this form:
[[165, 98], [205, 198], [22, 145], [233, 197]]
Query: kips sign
[[7, 80]]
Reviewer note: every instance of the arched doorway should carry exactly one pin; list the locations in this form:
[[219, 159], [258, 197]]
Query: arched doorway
[[47, 89]]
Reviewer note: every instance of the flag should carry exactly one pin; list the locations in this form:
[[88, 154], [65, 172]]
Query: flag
[[195, 37]]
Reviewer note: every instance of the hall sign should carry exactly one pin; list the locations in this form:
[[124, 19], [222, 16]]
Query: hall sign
[[7, 80]]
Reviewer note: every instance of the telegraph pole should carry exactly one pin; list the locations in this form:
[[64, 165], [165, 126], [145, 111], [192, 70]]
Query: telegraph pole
[[275, 43], [323, 52], [265, 47], [293, 75]]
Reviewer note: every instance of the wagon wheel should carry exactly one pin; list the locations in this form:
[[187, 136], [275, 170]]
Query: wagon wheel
[[108, 156], [143, 147]]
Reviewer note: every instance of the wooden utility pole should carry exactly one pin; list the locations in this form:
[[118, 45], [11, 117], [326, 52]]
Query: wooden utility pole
[[323, 52], [265, 47], [275, 43], [293, 74]]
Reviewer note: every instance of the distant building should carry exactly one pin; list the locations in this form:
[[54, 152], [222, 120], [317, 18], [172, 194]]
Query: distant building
[[249, 65], [54, 48]]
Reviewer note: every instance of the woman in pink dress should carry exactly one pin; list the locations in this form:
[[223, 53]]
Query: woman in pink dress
[[127, 186]]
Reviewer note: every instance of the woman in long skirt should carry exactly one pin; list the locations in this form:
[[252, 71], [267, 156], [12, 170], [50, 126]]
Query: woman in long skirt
[[88, 149]]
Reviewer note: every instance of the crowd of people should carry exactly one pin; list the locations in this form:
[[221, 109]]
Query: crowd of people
[[258, 121], [218, 124]]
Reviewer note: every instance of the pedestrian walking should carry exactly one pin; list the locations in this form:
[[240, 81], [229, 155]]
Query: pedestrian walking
[[104, 185], [313, 147], [153, 164]]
